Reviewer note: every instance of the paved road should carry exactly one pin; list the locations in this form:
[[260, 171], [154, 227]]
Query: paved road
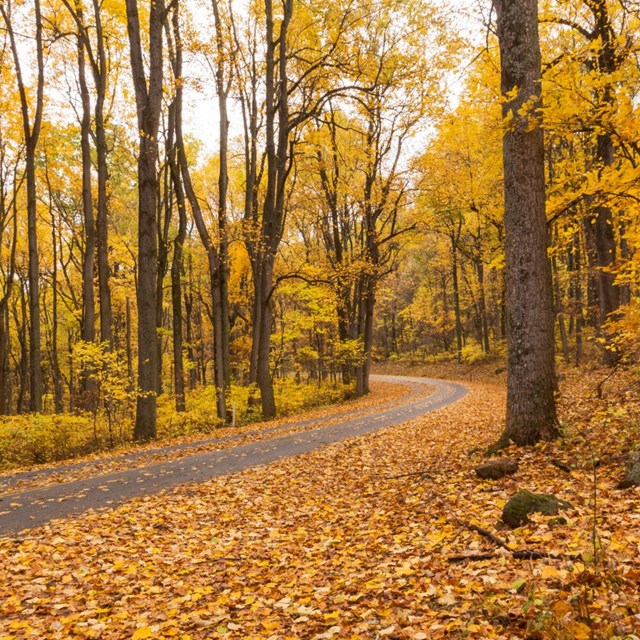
[[33, 507]]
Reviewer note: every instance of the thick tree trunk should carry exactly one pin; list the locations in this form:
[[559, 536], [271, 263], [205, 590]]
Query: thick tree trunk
[[35, 354], [148, 102], [146, 293], [531, 412]]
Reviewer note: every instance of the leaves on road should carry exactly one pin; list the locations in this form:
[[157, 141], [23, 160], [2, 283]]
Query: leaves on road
[[139, 455]]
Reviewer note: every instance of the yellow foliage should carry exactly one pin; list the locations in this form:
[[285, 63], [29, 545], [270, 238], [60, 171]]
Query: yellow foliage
[[36, 438]]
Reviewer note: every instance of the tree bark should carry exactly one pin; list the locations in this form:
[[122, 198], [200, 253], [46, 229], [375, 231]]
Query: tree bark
[[531, 411], [148, 103]]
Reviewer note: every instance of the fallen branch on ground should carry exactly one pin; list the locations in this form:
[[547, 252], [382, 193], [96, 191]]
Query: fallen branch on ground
[[523, 554], [561, 465]]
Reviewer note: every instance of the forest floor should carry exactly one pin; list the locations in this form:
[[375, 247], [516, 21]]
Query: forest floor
[[360, 539]]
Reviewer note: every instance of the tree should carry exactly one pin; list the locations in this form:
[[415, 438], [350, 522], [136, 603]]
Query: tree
[[215, 245], [531, 383], [31, 123], [148, 102]]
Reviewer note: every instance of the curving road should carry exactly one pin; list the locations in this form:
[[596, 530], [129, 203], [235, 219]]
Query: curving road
[[30, 508]]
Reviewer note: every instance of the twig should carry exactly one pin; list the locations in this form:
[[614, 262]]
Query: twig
[[598, 389], [529, 554], [484, 533], [523, 554], [473, 556], [561, 465]]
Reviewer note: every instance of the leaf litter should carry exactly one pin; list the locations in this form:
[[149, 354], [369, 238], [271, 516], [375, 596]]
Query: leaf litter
[[349, 541]]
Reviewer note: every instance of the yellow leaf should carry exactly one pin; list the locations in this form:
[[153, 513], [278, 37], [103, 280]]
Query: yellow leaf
[[580, 631], [141, 633], [561, 608], [549, 572]]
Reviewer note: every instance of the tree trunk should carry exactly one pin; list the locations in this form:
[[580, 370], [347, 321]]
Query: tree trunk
[[5, 331], [31, 131], [129, 340], [278, 167], [188, 309], [21, 324], [482, 302], [55, 362], [148, 103], [102, 223], [605, 242], [87, 331], [88, 325], [264, 380], [456, 293], [4, 360], [531, 412], [177, 263], [222, 88]]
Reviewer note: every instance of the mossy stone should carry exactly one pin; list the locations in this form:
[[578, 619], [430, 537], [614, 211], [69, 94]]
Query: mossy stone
[[517, 509], [632, 473]]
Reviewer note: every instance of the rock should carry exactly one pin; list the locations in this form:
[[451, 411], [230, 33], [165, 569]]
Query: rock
[[517, 509], [496, 469], [632, 474]]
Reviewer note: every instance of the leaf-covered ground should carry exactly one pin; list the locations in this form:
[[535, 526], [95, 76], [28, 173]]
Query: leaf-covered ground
[[122, 458], [351, 541]]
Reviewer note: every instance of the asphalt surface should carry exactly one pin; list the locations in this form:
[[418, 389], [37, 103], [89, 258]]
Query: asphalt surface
[[31, 508]]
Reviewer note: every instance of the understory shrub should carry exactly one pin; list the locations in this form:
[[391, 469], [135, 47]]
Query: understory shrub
[[30, 439], [39, 438]]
